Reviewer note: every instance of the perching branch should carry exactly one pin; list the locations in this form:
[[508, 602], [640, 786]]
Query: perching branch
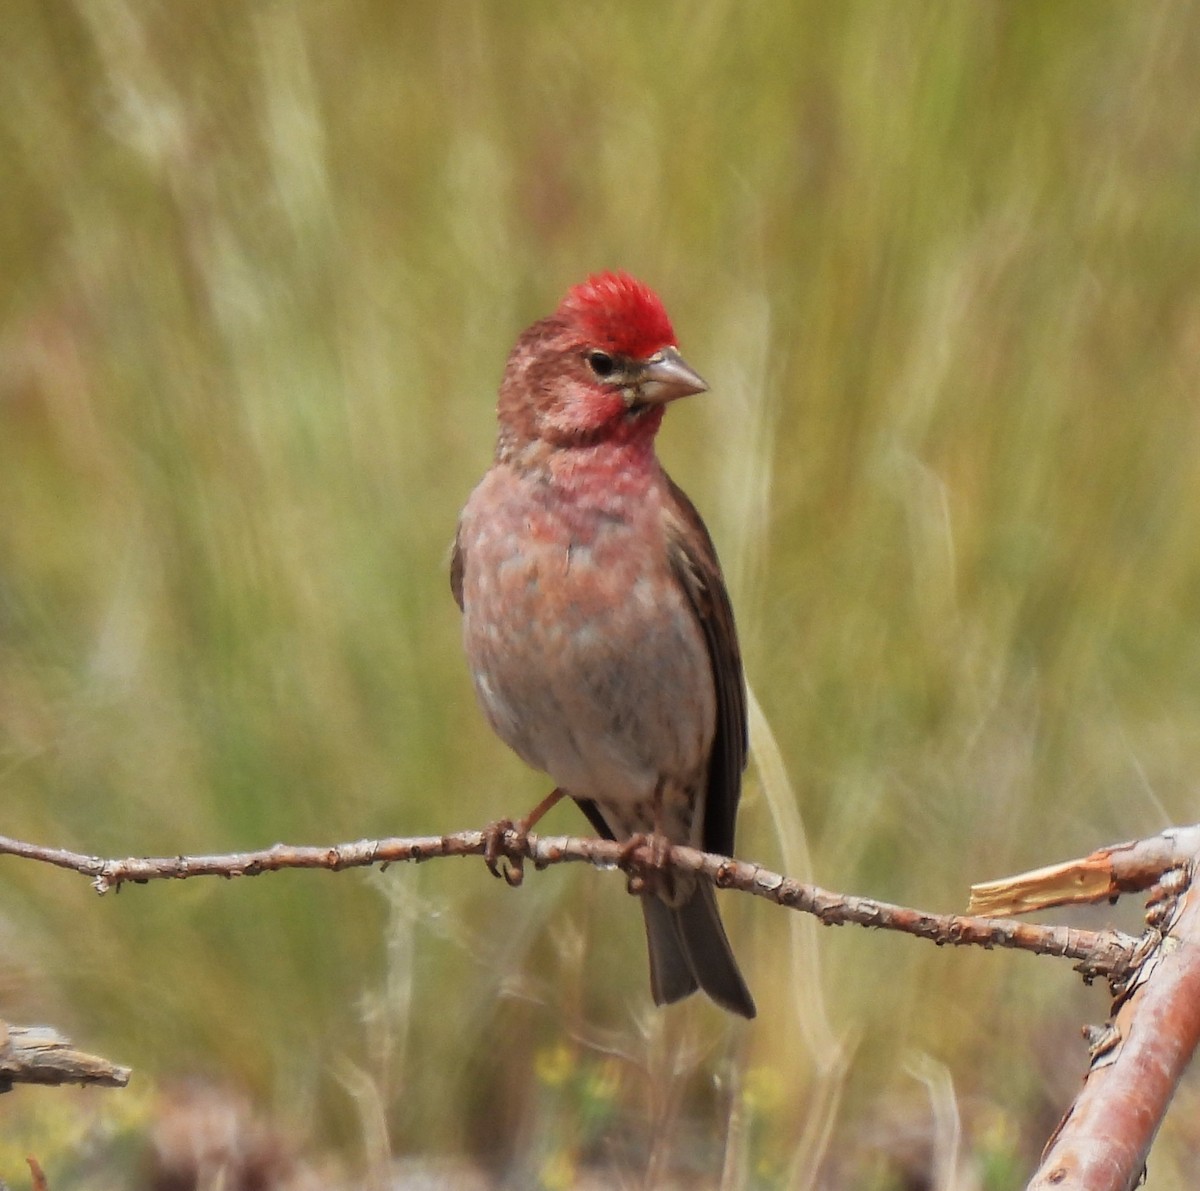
[[1098, 953], [37, 1054]]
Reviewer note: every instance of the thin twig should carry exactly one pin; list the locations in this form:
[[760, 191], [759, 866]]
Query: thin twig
[[37, 1174], [1099, 953]]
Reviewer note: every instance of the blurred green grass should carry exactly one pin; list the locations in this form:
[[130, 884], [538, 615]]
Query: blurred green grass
[[262, 265]]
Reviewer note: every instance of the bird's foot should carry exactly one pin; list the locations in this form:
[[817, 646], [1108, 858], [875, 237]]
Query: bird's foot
[[503, 858], [507, 841], [496, 846], [646, 872]]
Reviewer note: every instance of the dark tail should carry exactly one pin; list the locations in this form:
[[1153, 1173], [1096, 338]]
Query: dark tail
[[689, 950]]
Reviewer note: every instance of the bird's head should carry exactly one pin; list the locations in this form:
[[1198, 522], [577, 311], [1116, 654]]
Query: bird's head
[[601, 368]]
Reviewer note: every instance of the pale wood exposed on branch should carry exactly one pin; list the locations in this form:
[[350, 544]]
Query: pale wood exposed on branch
[[38, 1054], [1108, 872], [1137, 1061], [1098, 953]]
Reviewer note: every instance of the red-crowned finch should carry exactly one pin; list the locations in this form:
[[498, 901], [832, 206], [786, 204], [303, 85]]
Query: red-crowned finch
[[595, 619]]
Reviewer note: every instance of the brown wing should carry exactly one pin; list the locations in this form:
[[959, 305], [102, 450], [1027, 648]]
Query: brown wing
[[694, 561], [457, 562]]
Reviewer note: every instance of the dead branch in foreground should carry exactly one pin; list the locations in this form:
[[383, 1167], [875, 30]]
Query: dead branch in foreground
[[1137, 1060], [38, 1054], [1107, 954]]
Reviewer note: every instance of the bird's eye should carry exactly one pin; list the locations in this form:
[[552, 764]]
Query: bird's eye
[[601, 363]]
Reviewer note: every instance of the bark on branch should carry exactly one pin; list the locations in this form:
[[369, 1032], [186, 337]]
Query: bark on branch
[[1137, 1059]]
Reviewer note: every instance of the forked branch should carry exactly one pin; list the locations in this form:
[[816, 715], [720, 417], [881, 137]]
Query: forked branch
[[1137, 1059]]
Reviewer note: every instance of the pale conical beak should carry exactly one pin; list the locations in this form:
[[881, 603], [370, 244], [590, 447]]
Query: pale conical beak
[[666, 376]]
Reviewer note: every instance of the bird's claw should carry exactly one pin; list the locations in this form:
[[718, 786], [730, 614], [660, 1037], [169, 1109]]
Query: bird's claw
[[645, 874], [503, 859]]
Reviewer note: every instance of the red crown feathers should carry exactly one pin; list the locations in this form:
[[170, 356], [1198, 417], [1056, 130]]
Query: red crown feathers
[[620, 314]]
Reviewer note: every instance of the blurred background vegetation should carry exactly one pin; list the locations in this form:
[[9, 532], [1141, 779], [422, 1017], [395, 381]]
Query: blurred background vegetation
[[262, 264]]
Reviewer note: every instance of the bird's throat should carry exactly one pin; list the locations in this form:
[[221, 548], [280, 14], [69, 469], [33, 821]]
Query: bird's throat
[[609, 472]]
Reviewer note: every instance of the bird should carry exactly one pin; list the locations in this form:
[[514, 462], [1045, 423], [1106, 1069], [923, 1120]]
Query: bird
[[595, 618]]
